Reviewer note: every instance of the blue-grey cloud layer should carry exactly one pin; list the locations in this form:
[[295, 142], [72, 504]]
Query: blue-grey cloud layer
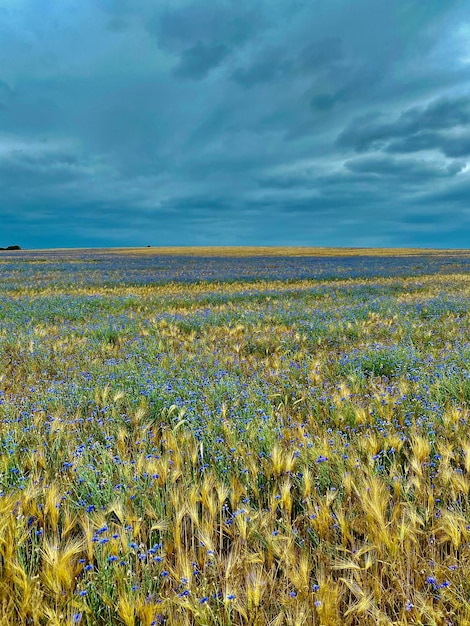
[[131, 122]]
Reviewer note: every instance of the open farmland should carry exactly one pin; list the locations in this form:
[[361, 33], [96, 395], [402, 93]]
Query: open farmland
[[234, 440]]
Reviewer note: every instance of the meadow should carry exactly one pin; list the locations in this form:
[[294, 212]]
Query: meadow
[[234, 440]]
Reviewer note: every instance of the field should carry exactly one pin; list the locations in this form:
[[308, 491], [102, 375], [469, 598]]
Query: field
[[229, 439]]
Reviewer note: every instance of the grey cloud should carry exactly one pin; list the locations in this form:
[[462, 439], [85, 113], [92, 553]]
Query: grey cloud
[[325, 101], [203, 35], [266, 66], [453, 196], [323, 52], [404, 168], [452, 146], [440, 114], [292, 181], [6, 94], [206, 22], [48, 174], [271, 62], [456, 146], [117, 25], [196, 62], [425, 140], [119, 7]]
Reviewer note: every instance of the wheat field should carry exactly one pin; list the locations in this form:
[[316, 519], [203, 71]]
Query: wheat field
[[224, 439]]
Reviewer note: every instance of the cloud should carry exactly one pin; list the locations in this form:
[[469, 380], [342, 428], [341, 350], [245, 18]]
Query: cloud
[[412, 170], [325, 101], [451, 197], [196, 62], [6, 94], [443, 113], [35, 171], [204, 21], [203, 35], [268, 63], [264, 67], [320, 53], [451, 145]]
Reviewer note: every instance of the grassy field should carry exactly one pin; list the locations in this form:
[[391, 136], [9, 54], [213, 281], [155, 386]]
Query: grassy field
[[223, 439]]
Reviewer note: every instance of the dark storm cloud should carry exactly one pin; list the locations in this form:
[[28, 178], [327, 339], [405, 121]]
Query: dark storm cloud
[[406, 168], [264, 68], [197, 61], [319, 54], [452, 197], [41, 170], [5, 95], [270, 62], [441, 114], [234, 122], [203, 35], [450, 145], [206, 22]]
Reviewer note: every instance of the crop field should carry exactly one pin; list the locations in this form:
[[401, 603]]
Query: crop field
[[234, 440]]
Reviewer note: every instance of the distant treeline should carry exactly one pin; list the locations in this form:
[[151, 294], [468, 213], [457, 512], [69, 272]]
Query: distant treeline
[[11, 248]]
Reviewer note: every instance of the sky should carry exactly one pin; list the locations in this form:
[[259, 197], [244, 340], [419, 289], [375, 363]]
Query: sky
[[235, 122]]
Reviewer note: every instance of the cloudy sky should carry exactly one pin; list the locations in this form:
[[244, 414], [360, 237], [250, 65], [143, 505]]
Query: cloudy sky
[[205, 122]]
